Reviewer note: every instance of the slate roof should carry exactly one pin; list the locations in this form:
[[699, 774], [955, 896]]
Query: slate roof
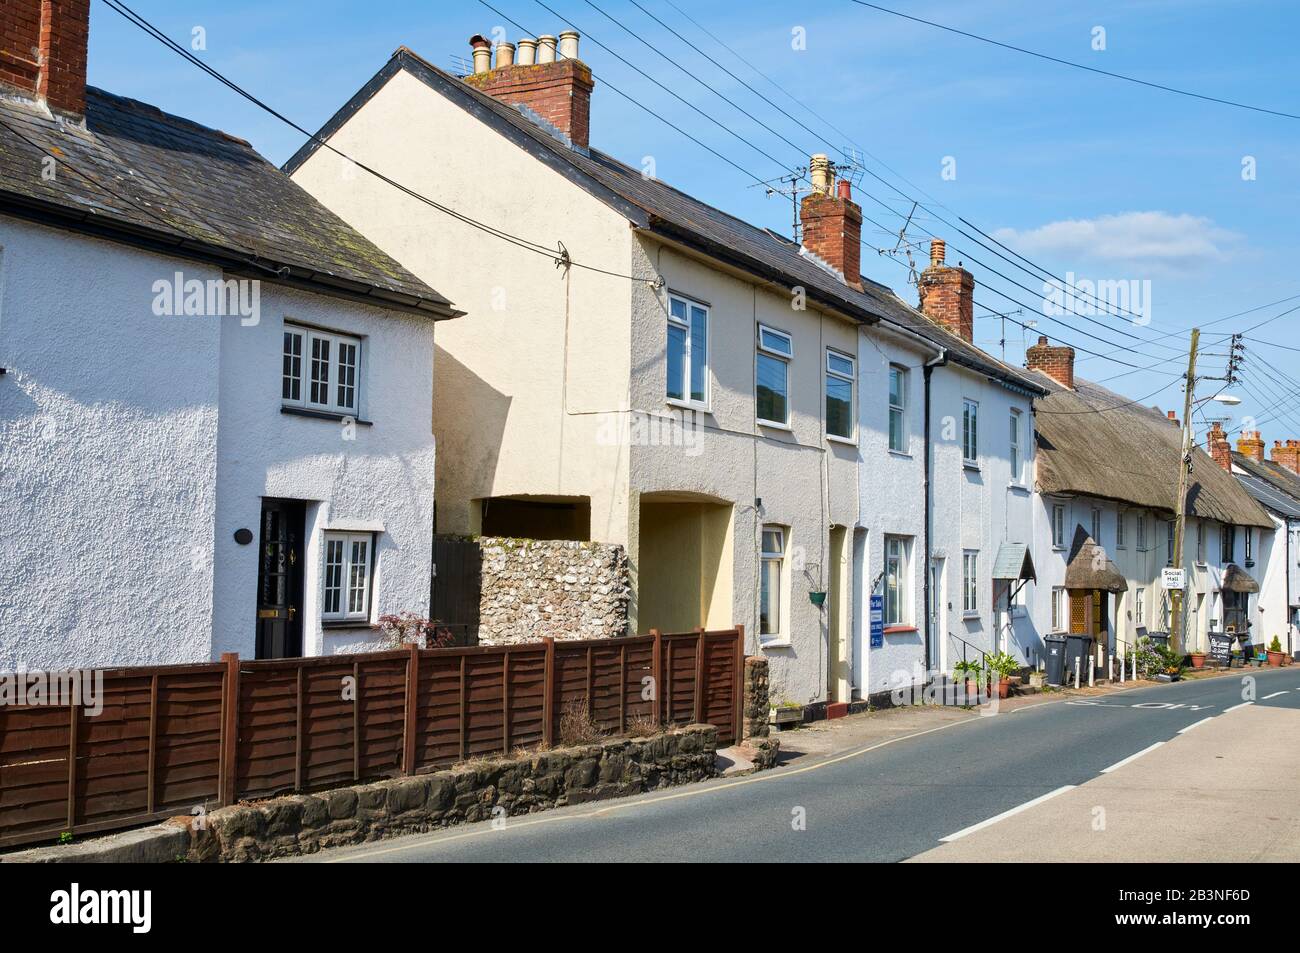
[[654, 206], [138, 174], [1014, 562], [1094, 442], [1271, 484]]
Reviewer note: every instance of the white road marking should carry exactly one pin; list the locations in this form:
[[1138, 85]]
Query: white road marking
[[1184, 731], [1235, 707], [1275, 694], [1133, 757], [1005, 814]]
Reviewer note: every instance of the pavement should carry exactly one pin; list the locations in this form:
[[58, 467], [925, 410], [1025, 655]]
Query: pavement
[[897, 785]]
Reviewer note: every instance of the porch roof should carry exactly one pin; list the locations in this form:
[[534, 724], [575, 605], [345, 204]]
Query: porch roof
[[1090, 567], [1236, 579], [1014, 562]]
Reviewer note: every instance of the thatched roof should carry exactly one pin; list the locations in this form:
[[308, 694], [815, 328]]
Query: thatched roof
[[1089, 567], [1094, 442], [1236, 579]]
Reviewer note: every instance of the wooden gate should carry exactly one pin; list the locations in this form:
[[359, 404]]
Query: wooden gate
[[456, 586]]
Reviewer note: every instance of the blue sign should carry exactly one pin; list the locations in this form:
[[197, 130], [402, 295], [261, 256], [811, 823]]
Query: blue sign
[[877, 621]]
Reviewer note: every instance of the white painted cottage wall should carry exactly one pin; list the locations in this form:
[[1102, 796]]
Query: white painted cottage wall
[[132, 447], [108, 436]]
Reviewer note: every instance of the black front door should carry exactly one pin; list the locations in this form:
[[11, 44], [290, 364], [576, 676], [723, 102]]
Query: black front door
[[279, 580]]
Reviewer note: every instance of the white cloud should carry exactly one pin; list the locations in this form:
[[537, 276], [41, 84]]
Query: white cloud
[[1150, 239]]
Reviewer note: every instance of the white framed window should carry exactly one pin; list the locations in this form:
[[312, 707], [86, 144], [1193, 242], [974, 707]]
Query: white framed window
[[970, 444], [1170, 529], [688, 351], [1227, 542], [1250, 544], [771, 583], [841, 375], [1016, 475], [1142, 532], [1139, 607], [898, 409], [1096, 526], [1058, 526], [348, 561], [970, 602], [1200, 542], [1119, 530], [772, 370], [1058, 609], [320, 370], [897, 605]]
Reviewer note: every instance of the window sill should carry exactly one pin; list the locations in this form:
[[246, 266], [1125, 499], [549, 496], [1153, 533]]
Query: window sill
[[773, 425], [970, 465], [970, 616], [702, 408], [324, 415], [1018, 487], [775, 643], [846, 441], [899, 629], [329, 624], [901, 454]]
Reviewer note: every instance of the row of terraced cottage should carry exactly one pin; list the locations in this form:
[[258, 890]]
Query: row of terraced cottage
[[224, 385]]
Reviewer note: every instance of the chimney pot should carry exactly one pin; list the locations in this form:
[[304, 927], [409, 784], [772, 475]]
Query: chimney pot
[[569, 44], [1217, 445], [555, 93], [527, 55], [505, 55], [845, 189], [546, 48], [938, 251], [948, 294], [482, 48], [832, 222]]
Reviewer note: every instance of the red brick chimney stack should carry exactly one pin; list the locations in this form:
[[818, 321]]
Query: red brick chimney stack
[[1218, 447], [1250, 445], [1287, 455], [948, 294], [43, 51], [557, 86], [1057, 362], [832, 224]]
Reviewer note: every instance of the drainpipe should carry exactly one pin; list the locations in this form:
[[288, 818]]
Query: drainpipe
[[928, 371]]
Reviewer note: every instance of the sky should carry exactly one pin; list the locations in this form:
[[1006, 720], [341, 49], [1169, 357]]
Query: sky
[[1187, 207]]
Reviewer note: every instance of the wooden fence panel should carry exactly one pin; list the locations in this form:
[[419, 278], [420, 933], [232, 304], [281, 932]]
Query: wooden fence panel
[[172, 738]]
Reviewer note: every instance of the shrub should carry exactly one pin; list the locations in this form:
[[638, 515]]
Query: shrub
[[406, 627], [1001, 664], [1275, 645], [577, 727]]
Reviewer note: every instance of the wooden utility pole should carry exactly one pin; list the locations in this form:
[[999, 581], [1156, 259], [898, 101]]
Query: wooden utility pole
[[1176, 596]]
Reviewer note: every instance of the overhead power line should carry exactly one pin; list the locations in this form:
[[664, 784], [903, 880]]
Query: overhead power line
[[1079, 66], [559, 254]]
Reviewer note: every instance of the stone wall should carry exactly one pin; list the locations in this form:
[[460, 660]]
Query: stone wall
[[757, 707], [474, 791], [535, 588]]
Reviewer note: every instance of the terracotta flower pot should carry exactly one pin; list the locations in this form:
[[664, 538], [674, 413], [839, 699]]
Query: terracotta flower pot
[[1198, 660], [1275, 659], [1004, 687]]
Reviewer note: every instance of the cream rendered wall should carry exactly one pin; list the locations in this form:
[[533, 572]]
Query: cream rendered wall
[[526, 381], [805, 481]]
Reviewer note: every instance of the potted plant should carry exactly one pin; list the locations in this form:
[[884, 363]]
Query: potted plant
[[1000, 665], [1275, 654], [1170, 664], [787, 713], [1198, 659], [967, 673]]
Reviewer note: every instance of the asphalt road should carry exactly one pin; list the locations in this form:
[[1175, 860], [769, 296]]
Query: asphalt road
[[885, 802]]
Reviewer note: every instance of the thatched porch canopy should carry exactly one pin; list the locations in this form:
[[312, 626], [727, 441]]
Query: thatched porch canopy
[[1089, 566]]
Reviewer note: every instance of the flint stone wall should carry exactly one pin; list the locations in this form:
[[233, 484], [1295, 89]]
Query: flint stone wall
[[533, 588], [306, 823]]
